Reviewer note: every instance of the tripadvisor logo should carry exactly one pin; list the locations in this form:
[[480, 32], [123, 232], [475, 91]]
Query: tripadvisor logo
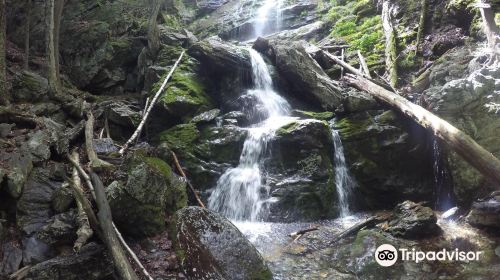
[[387, 255]]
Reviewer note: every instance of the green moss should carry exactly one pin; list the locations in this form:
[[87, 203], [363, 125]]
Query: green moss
[[357, 23], [181, 137], [315, 115], [160, 166], [287, 128], [352, 128]]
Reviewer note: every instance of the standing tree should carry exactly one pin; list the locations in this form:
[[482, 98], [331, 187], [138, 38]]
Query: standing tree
[[153, 31], [490, 28], [52, 55], [58, 12], [27, 34], [3, 40]]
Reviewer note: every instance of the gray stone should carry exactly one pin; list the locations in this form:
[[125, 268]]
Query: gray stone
[[91, 262], [206, 117], [11, 260], [485, 213], [29, 86], [307, 80], [62, 198], [60, 229], [36, 251], [211, 247], [413, 220], [104, 146]]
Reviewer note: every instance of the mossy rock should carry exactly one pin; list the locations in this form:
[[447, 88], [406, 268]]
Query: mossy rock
[[181, 137], [152, 192], [322, 116], [210, 247]]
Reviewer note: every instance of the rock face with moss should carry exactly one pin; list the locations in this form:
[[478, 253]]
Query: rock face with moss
[[301, 172], [150, 194], [388, 156], [211, 247], [467, 95]]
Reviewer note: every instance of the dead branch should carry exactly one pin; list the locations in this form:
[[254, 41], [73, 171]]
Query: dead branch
[[84, 231], [151, 105], [87, 179], [110, 238], [362, 61], [179, 168], [302, 232], [355, 228]]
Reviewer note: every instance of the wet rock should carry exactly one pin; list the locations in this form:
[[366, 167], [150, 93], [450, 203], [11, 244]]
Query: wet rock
[[322, 116], [301, 172], [485, 213], [207, 153], [381, 148], [151, 192], [62, 198], [5, 129], [91, 262], [458, 83], [11, 260], [206, 117], [307, 80], [413, 220], [217, 53], [124, 114], [34, 207], [60, 229], [211, 247], [36, 251]]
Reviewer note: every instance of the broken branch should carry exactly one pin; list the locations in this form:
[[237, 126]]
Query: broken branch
[[179, 168]]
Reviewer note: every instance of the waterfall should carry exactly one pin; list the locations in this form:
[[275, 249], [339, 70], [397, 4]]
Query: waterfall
[[240, 193], [344, 183], [444, 190], [263, 18]]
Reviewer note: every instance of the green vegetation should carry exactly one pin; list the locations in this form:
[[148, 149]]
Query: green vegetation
[[357, 23]]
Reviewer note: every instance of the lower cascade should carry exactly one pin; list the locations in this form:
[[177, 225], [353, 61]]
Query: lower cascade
[[344, 182], [240, 193]]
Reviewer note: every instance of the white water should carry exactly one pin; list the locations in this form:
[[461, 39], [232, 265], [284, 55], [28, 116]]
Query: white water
[[240, 193], [344, 183], [263, 18]]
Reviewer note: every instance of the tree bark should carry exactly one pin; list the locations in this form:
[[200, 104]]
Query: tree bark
[[478, 157], [391, 54], [153, 31], [52, 76], [58, 11], [364, 65], [3, 63], [421, 24], [123, 267], [27, 29]]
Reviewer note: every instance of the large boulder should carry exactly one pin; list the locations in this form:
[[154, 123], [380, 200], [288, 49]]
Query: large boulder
[[300, 172], [485, 213], [389, 156], [29, 86], [305, 78], [205, 150], [211, 247], [152, 191], [412, 220], [91, 262]]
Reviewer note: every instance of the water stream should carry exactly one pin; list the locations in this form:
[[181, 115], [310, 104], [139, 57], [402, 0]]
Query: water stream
[[240, 193], [344, 182]]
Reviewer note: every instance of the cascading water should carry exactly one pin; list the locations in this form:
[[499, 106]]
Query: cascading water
[[443, 191], [344, 182], [263, 20], [240, 194]]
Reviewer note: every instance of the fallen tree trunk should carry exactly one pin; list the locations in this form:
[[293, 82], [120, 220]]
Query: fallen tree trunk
[[370, 222], [478, 157], [110, 237]]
